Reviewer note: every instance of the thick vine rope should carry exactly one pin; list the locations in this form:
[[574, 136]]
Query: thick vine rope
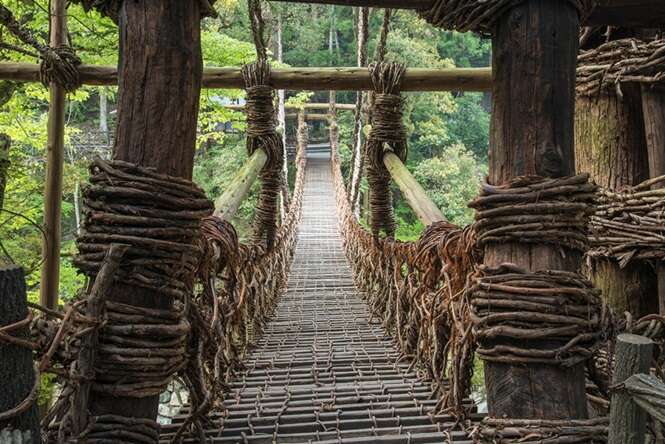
[[481, 15], [537, 431], [606, 68], [388, 134], [262, 134], [58, 65]]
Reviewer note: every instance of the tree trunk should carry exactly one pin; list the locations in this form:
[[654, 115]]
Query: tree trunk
[[159, 86], [103, 113], [653, 104], [16, 368], [535, 49], [5, 144], [610, 144], [281, 120]]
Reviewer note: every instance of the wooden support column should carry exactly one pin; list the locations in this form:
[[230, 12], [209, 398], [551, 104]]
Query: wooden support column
[[16, 367], [160, 73], [653, 106], [535, 49], [50, 277], [628, 420], [610, 144]]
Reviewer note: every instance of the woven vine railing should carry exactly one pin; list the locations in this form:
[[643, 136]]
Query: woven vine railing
[[417, 290], [240, 287]]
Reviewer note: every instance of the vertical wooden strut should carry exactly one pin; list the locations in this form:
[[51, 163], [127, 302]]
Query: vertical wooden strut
[[653, 104], [534, 57], [160, 73], [50, 278]]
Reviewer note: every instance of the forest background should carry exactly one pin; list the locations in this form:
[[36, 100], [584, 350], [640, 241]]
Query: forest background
[[447, 132]]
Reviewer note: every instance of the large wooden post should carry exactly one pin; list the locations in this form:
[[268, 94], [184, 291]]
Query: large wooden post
[[160, 74], [653, 104], [610, 144], [17, 376], [50, 277], [534, 56]]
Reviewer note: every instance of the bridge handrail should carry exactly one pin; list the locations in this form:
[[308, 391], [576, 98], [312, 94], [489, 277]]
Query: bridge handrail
[[415, 195]]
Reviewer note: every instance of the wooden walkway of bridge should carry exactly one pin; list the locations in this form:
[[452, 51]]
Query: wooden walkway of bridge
[[322, 370]]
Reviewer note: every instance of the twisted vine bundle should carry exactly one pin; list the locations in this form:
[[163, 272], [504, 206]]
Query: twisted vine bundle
[[481, 16], [387, 134], [537, 431], [606, 68], [629, 225], [262, 134], [58, 65]]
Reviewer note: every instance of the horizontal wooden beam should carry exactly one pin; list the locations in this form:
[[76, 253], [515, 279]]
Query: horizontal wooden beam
[[310, 116], [415, 195], [228, 203], [625, 13], [306, 106], [300, 79]]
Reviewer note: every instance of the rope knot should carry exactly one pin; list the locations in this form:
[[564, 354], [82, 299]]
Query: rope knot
[[60, 65]]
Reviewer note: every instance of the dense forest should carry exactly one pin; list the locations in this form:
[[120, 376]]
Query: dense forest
[[447, 132]]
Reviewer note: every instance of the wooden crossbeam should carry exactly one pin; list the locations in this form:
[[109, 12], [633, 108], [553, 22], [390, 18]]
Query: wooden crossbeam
[[626, 13], [306, 106], [300, 79]]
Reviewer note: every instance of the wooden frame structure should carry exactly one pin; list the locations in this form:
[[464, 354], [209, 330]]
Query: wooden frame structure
[[538, 105], [312, 79]]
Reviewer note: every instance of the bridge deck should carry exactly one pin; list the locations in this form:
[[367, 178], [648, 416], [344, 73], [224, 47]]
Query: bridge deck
[[321, 371]]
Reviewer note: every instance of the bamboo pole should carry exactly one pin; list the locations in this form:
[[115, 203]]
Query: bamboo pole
[[623, 13], [415, 195], [312, 79], [228, 203], [50, 277]]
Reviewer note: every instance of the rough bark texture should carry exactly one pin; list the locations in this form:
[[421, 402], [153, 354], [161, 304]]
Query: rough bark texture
[[534, 49], [627, 419], [159, 86], [653, 105], [5, 143], [611, 145], [159, 82], [16, 368]]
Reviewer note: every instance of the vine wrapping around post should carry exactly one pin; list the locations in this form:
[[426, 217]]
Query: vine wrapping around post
[[388, 134], [58, 65]]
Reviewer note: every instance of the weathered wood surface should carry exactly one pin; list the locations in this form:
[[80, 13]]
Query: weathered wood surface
[[624, 13], [16, 366], [628, 420], [55, 152], [610, 144], [415, 195], [158, 98], [5, 144], [653, 105], [314, 79], [228, 203], [535, 55], [306, 106]]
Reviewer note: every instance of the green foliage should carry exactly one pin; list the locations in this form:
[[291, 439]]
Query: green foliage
[[451, 180], [438, 125]]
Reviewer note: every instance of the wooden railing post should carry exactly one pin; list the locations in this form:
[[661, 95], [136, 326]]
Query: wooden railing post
[[50, 278], [17, 377], [627, 419]]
